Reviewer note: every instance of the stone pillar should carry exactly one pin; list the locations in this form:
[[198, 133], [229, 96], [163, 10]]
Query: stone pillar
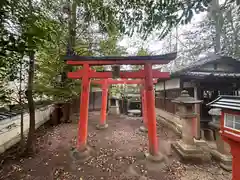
[[117, 110], [223, 151], [186, 147]]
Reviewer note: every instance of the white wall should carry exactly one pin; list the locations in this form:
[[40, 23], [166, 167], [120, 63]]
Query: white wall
[[10, 128]]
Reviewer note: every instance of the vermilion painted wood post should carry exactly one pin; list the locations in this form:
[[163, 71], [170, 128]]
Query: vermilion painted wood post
[[144, 113], [233, 139], [142, 97], [235, 150], [151, 114], [145, 107], [104, 102], [83, 122]]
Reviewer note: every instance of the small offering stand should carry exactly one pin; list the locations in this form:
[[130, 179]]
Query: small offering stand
[[230, 128]]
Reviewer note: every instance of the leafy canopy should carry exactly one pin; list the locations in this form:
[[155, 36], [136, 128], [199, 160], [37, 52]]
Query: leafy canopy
[[142, 16]]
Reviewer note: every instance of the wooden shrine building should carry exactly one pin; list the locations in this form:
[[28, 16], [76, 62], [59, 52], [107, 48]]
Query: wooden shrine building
[[204, 79]]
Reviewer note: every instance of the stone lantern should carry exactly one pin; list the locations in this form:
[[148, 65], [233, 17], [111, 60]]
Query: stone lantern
[[215, 113], [114, 106], [222, 153], [186, 147]]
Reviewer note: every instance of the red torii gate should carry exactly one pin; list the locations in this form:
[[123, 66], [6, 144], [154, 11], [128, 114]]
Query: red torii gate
[[148, 73], [105, 84]]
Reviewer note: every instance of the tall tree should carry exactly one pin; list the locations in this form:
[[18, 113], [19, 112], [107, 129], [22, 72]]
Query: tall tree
[[34, 30], [216, 15]]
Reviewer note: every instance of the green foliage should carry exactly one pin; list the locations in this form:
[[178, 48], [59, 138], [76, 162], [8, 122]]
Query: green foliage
[[109, 47], [143, 16], [48, 81], [41, 27], [143, 52], [24, 29]]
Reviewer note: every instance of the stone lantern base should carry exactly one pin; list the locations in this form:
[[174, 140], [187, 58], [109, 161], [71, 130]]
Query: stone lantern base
[[225, 160], [114, 110], [222, 150], [191, 152], [143, 129]]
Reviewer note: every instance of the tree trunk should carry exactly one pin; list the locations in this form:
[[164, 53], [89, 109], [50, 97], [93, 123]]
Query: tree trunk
[[218, 20], [31, 105], [22, 143], [73, 24], [71, 44], [235, 33]]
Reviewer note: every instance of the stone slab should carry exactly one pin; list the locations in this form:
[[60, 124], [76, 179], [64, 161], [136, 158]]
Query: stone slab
[[81, 156], [191, 152], [173, 126], [101, 126], [224, 160], [143, 129]]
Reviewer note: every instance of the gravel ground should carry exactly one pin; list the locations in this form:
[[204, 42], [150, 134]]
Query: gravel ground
[[118, 155]]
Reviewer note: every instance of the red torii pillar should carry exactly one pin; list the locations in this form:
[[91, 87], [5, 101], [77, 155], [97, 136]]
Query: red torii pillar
[[83, 122], [147, 74], [104, 84], [151, 114], [144, 110]]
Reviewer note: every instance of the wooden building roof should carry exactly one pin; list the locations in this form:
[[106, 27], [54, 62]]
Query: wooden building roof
[[226, 102], [196, 69], [213, 74]]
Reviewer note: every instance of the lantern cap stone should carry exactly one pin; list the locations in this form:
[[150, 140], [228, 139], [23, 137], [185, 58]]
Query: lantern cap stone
[[185, 98], [215, 112]]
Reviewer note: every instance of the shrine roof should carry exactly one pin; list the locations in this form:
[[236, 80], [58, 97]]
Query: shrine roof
[[161, 58], [226, 102], [196, 65], [212, 74]]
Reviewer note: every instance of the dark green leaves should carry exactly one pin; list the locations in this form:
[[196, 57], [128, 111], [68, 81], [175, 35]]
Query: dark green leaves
[[143, 16]]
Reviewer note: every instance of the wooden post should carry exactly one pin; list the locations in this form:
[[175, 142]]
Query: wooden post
[[83, 122], [144, 112], [144, 109], [165, 95], [104, 103], [196, 120], [151, 114], [94, 98], [235, 148]]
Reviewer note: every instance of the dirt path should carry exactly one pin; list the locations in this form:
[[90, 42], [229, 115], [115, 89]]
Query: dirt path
[[117, 151]]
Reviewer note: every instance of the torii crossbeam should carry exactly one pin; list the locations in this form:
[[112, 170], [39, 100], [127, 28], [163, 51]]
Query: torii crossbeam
[[147, 74]]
